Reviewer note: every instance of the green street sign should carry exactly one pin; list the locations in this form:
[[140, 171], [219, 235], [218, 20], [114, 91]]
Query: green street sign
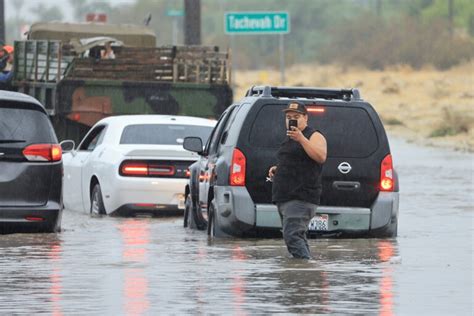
[[172, 12], [257, 22]]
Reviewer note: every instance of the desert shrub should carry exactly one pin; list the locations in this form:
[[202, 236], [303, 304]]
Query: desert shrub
[[392, 121], [377, 43], [453, 123]]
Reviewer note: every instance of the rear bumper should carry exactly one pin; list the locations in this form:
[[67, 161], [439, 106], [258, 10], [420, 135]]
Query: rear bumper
[[129, 192], [239, 216], [151, 210], [30, 219]]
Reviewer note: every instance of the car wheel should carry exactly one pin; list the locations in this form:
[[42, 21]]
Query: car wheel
[[97, 204], [210, 224], [188, 213], [391, 231], [197, 218], [54, 227], [213, 229]]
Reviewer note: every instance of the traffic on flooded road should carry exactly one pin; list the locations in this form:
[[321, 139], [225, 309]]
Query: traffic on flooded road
[[114, 265]]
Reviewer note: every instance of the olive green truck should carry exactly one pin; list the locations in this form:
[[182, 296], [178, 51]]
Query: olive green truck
[[78, 87]]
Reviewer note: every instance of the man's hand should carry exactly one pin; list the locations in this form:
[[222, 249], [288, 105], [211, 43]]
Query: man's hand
[[272, 171], [295, 134]]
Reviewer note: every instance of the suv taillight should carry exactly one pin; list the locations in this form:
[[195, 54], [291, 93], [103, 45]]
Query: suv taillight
[[237, 168], [43, 152], [386, 174]]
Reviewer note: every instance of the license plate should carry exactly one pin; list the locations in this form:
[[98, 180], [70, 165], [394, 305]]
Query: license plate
[[319, 222], [181, 203]]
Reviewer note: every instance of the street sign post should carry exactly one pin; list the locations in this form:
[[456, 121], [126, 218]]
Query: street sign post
[[253, 23], [257, 23], [175, 14]]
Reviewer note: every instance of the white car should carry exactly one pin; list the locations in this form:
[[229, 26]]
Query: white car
[[132, 164]]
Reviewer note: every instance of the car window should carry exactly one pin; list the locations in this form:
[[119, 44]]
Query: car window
[[228, 124], [93, 139], [349, 131], [217, 133], [25, 124], [162, 134]]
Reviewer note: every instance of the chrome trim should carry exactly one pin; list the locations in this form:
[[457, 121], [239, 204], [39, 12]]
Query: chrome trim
[[344, 167]]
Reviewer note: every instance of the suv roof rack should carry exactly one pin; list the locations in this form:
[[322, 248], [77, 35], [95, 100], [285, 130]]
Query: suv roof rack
[[300, 92]]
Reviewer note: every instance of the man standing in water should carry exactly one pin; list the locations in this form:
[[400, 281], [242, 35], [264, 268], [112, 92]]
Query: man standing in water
[[297, 178]]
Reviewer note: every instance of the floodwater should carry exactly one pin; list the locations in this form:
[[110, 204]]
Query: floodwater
[[129, 266]]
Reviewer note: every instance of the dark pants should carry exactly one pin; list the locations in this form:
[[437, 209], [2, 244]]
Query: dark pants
[[295, 217]]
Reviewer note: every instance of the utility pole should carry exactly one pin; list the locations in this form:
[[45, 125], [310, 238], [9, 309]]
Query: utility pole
[[378, 7], [282, 59], [2, 21], [451, 17], [192, 22]]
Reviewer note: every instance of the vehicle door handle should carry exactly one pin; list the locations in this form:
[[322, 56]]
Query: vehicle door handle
[[346, 185]]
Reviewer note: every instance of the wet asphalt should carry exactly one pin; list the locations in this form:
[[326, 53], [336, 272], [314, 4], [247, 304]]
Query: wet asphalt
[[149, 266]]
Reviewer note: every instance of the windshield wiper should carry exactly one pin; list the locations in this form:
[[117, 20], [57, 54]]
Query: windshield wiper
[[10, 141]]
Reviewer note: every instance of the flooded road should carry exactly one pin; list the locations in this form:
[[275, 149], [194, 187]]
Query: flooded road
[[128, 266]]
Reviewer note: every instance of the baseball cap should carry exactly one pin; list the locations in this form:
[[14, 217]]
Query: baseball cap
[[296, 106]]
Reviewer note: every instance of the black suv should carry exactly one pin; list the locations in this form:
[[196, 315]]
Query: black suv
[[229, 189], [30, 167]]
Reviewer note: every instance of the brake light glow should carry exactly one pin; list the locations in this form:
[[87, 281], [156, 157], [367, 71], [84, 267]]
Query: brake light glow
[[138, 168], [237, 168], [43, 152], [188, 173], [387, 182], [134, 169], [315, 110], [34, 218]]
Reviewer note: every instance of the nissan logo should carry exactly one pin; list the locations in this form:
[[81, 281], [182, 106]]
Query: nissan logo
[[344, 167]]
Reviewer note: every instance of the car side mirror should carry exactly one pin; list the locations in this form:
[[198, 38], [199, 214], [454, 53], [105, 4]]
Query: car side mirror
[[193, 144], [67, 145]]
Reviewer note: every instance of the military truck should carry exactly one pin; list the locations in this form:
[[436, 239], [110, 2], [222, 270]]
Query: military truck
[[78, 88]]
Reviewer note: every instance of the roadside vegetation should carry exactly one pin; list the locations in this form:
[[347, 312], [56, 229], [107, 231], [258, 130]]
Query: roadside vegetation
[[371, 33], [412, 59], [427, 105], [454, 123]]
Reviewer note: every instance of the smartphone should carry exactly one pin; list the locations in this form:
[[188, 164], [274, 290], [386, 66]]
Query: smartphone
[[292, 123]]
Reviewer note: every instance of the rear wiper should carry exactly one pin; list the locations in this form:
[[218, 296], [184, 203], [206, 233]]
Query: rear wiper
[[10, 141]]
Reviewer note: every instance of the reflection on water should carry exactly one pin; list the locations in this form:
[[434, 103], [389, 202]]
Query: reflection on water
[[30, 274], [386, 283], [149, 266], [135, 237], [54, 256], [161, 269]]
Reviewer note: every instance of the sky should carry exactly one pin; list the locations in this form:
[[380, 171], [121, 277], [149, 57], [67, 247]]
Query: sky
[[63, 4]]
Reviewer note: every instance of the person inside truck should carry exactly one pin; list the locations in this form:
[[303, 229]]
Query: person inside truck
[[6, 74], [3, 56], [296, 178], [107, 52]]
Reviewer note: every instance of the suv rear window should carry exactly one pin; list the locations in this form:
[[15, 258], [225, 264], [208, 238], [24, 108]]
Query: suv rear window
[[19, 122], [160, 134], [349, 131]]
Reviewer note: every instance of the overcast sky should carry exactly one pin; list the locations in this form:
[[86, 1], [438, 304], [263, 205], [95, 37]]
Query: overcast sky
[[63, 4]]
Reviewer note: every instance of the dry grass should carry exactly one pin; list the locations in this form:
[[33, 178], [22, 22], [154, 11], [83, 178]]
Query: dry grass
[[429, 106]]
